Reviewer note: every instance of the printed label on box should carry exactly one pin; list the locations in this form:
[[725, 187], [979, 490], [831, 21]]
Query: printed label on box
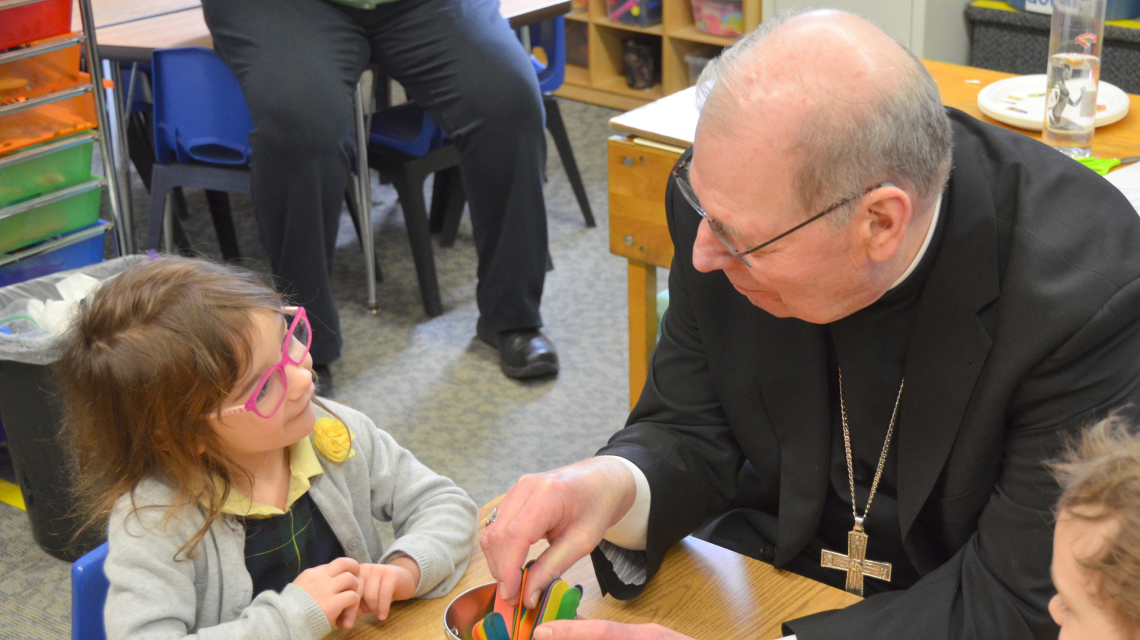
[[1039, 6]]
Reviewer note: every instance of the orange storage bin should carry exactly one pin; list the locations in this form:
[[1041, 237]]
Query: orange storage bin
[[47, 122], [35, 21], [39, 74]]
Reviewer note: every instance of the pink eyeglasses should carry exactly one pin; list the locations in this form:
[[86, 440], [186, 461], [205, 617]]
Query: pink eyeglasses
[[270, 390]]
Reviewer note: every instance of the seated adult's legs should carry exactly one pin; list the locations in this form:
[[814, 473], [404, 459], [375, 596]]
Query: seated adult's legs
[[297, 62], [464, 65]]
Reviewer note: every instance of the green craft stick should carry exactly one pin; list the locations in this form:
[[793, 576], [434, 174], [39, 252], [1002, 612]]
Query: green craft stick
[[1100, 165], [568, 608], [551, 601]]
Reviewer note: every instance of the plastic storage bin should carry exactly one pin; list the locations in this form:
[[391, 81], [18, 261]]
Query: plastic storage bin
[[47, 122], [37, 176], [638, 12], [36, 21], [38, 74], [719, 17], [72, 251], [1114, 9], [49, 215]]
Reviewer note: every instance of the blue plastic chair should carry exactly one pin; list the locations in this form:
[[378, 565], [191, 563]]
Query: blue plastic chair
[[551, 36], [202, 116], [406, 146], [88, 594], [201, 139], [422, 135]]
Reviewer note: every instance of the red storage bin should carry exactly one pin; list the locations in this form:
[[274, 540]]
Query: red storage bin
[[35, 21]]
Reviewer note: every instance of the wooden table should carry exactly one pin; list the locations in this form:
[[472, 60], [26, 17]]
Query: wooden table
[[702, 590], [657, 134], [128, 30]]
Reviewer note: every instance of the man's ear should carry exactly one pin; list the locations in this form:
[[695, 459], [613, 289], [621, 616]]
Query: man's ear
[[883, 226]]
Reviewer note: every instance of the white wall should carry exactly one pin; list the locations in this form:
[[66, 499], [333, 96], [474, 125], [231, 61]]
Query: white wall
[[935, 29]]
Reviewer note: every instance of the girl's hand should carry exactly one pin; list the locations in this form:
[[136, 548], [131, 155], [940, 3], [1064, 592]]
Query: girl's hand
[[383, 584], [335, 586]]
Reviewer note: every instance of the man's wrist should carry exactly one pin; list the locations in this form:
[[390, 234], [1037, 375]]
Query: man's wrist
[[630, 532]]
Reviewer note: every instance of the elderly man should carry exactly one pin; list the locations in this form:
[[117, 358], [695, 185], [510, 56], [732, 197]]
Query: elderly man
[[885, 317]]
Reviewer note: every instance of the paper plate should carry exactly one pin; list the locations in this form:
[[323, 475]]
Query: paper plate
[[1020, 102]]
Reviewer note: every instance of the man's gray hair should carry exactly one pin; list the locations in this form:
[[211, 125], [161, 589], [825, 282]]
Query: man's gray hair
[[842, 147]]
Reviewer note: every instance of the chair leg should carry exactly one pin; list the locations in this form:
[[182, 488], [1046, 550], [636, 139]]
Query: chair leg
[[219, 202], [452, 209], [410, 189], [566, 153], [440, 189], [363, 185], [354, 215]]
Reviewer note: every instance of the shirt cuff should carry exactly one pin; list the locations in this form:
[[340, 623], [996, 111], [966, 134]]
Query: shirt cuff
[[630, 532], [629, 566]]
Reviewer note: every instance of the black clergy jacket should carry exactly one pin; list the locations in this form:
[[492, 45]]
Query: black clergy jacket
[[1027, 329]]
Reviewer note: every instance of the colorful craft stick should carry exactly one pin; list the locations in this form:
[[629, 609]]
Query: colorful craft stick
[[495, 627], [551, 600], [568, 608], [504, 608], [478, 631], [521, 611]]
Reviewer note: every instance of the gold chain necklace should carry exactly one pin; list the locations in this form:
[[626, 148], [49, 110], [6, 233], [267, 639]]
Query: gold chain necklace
[[855, 563]]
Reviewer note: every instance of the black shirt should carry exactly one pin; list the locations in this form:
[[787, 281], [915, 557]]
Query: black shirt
[[870, 346]]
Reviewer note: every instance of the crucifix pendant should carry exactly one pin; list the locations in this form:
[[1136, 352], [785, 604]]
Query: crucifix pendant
[[855, 563]]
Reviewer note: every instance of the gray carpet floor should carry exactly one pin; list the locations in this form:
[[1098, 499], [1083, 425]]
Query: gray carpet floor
[[428, 381]]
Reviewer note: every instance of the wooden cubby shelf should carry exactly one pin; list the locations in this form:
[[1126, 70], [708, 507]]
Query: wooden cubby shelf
[[603, 82]]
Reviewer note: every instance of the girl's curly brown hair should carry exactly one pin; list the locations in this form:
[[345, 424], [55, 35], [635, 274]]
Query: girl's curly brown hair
[[148, 359]]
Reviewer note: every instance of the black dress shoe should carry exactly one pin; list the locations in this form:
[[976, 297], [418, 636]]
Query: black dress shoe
[[324, 381], [525, 354]]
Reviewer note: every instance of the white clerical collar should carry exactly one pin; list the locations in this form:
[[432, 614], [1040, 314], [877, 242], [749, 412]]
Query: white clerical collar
[[922, 249]]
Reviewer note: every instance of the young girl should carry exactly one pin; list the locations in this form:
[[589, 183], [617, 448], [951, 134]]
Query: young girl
[[1096, 544], [237, 502]]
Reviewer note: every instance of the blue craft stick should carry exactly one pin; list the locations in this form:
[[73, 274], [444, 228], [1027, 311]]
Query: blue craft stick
[[496, 626]]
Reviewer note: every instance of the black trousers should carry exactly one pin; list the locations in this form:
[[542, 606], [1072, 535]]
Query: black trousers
[[298, 62]]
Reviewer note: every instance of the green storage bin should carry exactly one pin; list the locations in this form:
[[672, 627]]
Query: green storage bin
[[37, 176], [50, 215]]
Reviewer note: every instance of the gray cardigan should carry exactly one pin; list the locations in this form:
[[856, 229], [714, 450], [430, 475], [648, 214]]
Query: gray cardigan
[[153, 596]]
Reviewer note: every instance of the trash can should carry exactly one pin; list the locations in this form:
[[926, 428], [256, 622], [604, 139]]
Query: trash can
[[31, 412]]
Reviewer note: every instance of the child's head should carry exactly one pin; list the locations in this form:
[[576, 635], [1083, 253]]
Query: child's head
[[1096, 545], [151, 363]]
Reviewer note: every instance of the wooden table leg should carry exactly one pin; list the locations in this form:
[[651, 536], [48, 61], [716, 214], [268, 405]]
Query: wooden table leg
[[642, 324]]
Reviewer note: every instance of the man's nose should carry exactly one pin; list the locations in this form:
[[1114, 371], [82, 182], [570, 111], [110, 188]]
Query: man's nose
[[708, 253]]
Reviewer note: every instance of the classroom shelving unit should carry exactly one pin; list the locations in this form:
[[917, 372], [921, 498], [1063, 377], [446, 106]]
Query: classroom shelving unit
[[603, 82], [78, 102]]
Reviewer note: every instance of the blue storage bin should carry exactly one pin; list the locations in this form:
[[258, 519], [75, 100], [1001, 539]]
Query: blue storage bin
[[1114, 10], [74, 250]]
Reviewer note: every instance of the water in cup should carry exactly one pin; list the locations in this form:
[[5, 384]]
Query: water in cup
[[1070, 103]]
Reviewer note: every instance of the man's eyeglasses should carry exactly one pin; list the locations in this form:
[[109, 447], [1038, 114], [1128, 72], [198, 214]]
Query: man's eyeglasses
[[681, 173], [270, 391]]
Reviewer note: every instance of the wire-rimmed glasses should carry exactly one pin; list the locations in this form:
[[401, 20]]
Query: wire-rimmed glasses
[[681, 173]]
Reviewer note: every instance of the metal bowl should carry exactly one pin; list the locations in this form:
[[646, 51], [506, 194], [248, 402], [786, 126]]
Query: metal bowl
[[466, 609]]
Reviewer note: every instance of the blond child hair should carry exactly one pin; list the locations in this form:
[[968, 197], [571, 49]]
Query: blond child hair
[[1100, 480]]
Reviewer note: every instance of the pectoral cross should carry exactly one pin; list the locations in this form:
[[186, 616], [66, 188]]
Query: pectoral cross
[[855, 563]]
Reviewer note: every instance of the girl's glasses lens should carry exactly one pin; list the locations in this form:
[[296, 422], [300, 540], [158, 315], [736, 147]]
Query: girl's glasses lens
[[270, 395], [298, 341]]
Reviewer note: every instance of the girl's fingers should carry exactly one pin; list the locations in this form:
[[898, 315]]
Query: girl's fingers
[[384, 598]]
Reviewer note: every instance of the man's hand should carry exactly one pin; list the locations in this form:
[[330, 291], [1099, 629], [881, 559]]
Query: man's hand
[[335, 586], [604, 630], [380, 586], [572, 507]]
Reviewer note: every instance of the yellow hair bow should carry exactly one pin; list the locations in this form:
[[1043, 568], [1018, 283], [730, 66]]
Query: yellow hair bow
[[333, 440]]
